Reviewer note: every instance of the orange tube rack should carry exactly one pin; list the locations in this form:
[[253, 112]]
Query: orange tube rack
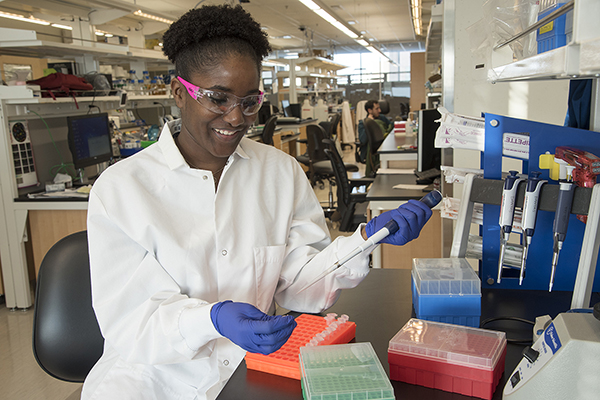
[[285, 361]]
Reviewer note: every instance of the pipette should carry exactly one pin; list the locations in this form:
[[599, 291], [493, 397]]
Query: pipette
[[561, 218], [431, 199], [507, 212], [530, 210]]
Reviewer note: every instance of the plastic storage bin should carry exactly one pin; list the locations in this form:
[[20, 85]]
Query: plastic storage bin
[[446, 290], [346, 371], [285, 362], [556, 33], [454, 358]]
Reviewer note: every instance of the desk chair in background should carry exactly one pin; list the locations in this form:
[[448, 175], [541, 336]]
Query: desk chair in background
[[351, 208], [375, 138], [268, 129], [66, 338], [319, 166]]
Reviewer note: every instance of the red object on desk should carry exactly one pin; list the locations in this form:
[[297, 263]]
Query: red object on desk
[[285, 361], [453, 358]]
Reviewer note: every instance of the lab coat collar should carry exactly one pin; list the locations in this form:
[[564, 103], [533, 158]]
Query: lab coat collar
[[172, 154]]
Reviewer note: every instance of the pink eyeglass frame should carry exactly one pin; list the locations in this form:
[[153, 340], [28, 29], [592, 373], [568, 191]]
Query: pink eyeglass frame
[[197, 92]]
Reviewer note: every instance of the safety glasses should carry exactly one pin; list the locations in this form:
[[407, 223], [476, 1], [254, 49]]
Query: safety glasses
[[221, 102]]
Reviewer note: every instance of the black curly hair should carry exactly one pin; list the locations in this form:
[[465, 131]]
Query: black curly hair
[[203, 37]]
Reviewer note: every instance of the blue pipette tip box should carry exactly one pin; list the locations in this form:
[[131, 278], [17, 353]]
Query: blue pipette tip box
[[446, 290], [345, 371]]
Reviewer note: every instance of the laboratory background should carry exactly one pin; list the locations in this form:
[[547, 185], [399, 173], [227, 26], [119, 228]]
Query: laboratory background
[[495, 104]]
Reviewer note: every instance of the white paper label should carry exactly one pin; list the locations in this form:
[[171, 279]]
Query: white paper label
[[515, 145]]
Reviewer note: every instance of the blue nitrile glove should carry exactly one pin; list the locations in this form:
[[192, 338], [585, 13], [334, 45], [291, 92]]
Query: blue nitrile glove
[[250, 328], [410, 218]]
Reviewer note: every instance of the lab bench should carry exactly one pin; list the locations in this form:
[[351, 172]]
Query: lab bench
[[380, 306]]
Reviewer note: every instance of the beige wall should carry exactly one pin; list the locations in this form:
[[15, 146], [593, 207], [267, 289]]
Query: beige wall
[[417, 81]]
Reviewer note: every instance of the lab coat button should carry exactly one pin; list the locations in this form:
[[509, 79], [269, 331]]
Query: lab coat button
[[224, 252], [225, 362], [205, 177]]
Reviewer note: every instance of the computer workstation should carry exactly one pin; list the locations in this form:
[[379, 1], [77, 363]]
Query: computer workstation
[[90, 141]]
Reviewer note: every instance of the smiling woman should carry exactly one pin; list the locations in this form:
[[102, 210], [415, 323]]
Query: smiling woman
[[194, 240]]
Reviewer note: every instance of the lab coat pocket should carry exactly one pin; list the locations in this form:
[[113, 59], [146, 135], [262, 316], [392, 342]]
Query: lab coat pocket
[[267, 263]]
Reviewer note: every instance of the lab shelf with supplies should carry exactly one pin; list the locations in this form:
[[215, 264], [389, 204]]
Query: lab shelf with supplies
[[578, 59], [19, 104]]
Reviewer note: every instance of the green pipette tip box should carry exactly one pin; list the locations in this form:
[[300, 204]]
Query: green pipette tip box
[[343, 372]]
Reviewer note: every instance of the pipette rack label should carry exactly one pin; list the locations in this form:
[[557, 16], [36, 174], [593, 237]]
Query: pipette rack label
[[312, 330]]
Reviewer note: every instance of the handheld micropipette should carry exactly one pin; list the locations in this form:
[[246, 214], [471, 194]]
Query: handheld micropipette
[[507, 211], [431, 199], [530, 210]]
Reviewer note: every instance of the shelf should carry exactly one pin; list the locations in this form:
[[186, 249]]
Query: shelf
[[306, 74], [578, 59], [25, 43], [306, 91], [319, 62], [433, 43]]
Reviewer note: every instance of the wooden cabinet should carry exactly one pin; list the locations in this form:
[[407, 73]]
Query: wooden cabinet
[[49, 226]]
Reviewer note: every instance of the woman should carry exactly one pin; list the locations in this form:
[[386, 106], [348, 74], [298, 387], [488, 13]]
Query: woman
[[193, 240]]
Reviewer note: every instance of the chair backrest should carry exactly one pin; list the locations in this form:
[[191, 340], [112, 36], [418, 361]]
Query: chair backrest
[[374, 134], [341, 175], [384, 106], [66, 338], [314, 136], [269, 128], [335, 121]]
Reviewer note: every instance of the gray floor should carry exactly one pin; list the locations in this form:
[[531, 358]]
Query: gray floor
[[20, 376]]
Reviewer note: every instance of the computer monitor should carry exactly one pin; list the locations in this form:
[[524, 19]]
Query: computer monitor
[[294, 110], [428, 156], [89, 139], [285, 104]]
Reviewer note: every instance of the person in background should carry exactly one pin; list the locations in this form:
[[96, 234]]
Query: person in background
[[374, 112], [195, 240]]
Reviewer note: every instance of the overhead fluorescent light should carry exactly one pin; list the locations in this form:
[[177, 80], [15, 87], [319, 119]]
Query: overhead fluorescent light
[[19, 17], [99, 33], [286, 37], [362, 42], [415, 8], [310, 4], [66, 27], [328, 17], [140, 13]]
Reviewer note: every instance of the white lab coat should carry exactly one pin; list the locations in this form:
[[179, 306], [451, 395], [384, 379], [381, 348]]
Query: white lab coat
[[164, 247]]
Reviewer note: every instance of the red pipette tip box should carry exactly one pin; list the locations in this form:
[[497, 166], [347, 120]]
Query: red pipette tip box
[[454, 358], [285, 361]]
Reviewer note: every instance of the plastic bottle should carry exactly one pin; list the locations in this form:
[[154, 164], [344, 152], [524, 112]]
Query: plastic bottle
[[307, 110], [153, 87], [147, 81], [162, 90], [132, 74], [139, 87], [131, 86], [321, 111]]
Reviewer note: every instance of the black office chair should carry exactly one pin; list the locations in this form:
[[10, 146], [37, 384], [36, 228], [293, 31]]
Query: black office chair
[[66, 338], [268, 129], [331, 126], [375, 138], [384, 106], [351, 208]]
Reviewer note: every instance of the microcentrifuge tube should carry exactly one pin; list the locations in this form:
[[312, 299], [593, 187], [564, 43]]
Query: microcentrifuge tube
[[343, 318], [313, 342]]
